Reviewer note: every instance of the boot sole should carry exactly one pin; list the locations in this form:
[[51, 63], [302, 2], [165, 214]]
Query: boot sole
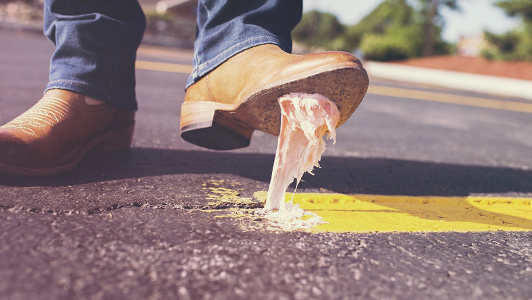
[[114, 141], [221, 126]]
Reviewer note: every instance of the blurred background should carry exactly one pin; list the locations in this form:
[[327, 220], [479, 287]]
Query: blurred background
[[486, 37], [399, 29]]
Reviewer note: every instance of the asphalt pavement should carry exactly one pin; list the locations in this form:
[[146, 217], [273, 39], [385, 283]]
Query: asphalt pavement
[[145, 225]]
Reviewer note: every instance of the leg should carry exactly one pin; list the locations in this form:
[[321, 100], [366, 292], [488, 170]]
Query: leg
[[96, 43], [242, 65], [226, 28]]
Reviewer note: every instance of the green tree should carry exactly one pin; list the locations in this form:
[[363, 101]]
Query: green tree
[[519, 8], [433, 21], [515, 44], [318, 29], [393, 30], [389, 14], [396, 30]]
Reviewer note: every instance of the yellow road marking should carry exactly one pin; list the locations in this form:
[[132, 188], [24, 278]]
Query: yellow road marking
[[163, 67], [222, 192], [377, 90], [377, 213], [449, 98]]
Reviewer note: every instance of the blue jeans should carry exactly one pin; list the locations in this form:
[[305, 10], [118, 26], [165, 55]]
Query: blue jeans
[[96, 40]]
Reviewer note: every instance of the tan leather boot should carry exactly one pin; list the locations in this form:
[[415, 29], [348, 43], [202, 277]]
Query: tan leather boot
[[53, 135], [222, 110]]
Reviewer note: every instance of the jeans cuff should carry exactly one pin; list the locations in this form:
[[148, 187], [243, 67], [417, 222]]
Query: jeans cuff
[[118, 101], [204, 68]]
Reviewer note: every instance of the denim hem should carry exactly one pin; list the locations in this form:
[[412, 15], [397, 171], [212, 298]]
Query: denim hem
[[117, 101], [203, 69]]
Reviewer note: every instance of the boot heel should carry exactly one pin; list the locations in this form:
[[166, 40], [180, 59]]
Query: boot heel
[[211, 125], [120, 139]]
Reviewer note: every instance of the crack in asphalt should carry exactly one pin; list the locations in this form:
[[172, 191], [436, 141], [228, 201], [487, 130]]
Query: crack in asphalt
[[113, 207], [19, 208]]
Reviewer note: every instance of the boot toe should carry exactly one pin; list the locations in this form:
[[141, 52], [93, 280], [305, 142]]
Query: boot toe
[[53, 136], [15, 151]]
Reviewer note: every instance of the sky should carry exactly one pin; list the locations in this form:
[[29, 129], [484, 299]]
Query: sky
[[476, 15]]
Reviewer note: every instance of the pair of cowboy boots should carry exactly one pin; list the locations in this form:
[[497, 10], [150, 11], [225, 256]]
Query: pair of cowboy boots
[[220, 111]]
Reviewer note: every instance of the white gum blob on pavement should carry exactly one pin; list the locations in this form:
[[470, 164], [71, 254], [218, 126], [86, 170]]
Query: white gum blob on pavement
[[305, 119]]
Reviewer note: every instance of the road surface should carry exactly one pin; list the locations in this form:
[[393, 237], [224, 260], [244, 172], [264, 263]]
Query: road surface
[[150, 225]]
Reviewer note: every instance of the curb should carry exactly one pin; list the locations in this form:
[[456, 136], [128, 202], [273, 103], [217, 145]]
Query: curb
[[501, 86]]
